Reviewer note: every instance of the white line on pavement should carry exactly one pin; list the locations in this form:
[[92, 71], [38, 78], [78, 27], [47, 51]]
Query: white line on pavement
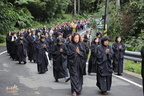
[[138, 85], [3, 52]]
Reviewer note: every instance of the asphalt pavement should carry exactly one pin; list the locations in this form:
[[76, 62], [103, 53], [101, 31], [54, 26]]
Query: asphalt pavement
[[24, 80]]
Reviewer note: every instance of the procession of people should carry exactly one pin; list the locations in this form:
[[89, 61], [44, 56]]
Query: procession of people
[[69, 52]]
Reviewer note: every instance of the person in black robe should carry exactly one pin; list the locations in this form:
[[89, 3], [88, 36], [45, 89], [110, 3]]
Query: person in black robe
[[142, 64], [60, 60], [51, 44], [21, 43], [8, 40], [29, 46], [118, 58], [86, 48], [75, 55], [42, 56], [13, 47], [33, 44], [104, 65], [68, 40], [86, 36], [92, 66]]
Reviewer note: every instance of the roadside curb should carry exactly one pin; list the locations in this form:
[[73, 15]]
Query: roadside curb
[[133, 74]]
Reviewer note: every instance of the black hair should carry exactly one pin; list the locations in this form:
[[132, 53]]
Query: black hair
[[104, 38], [117, 38], [59, 39], [98, 33]]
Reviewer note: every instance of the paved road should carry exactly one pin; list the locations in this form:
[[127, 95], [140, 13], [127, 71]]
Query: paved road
[[30, 83]]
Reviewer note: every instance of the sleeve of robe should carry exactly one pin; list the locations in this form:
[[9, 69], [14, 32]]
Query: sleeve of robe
[[55, 51], [102, 56]]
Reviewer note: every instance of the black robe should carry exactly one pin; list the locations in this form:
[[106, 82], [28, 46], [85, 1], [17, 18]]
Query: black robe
[[84, 59], [13, 49], [75, 66], [60, 61], [42, 61], [92, 66], [32, 48], [29, 47], [21, 49], [51, 43], [118, 57], [105, 69], [142, 69], [8, 41]]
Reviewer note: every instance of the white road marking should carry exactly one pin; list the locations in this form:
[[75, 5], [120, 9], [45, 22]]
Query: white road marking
[[127, 80], [3, 52], [136, 84]]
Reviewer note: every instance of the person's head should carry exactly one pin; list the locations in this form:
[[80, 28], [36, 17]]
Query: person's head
[[59, 34], [87, 32], [9, 33], [105, 40], [59, 40], [29, 33], [96, 40], [76, 37], [38, 34], [81, 39], [33, 32], [46, 35], [69, 36], [42, 38], [98, 34], [118, 39]]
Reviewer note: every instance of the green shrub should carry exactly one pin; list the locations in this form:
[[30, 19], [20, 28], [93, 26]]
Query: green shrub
[[2, 38], [133, 66]]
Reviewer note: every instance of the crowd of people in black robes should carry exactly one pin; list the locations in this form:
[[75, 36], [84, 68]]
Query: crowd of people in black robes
[[69, 53]]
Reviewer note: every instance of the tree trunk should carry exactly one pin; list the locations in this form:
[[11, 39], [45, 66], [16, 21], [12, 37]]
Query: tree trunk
[[78, 6], [117, 6], [75, 7]]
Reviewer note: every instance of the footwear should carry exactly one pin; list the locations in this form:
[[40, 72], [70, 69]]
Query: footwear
[[74, 94], [119, 74], [104, 93], [34, 61], [56, 80], [25, 62], [67, 79], [19, 62]]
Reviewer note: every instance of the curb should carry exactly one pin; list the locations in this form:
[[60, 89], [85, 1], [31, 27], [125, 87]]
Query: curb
[[133, 74]]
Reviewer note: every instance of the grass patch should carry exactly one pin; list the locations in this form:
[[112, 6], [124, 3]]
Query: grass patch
[[3, 44], [133, 66]]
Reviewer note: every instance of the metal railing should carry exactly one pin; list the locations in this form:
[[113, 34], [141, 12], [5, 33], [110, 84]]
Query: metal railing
[[135, 56]]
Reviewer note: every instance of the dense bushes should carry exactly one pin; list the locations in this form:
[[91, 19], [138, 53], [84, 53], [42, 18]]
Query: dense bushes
[[2, 38]]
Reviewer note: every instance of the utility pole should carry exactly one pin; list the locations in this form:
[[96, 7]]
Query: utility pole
[[106, 17], [75, 7]]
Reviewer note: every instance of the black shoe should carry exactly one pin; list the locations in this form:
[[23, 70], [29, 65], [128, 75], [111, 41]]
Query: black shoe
[[119, 74], [104, 93], [67, 79], [46, 69], [25, 62], [19, 62], [56, 80]]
